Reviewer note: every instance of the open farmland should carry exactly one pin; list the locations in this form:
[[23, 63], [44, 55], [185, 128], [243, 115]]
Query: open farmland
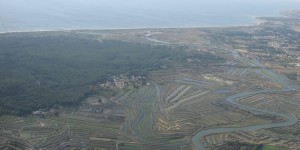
[[197, 88], [37, 133]]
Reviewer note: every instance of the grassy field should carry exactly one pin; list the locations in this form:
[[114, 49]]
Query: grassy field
[[271, 147]]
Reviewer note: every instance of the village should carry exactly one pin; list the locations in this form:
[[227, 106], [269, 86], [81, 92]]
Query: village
[[121, 81]]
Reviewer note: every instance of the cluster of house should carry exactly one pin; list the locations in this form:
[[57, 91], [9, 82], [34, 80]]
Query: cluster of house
[[249, 55], [40, 112], [275, 44], [121, 81]]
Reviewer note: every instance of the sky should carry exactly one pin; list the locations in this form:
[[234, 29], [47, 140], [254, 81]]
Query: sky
[[61, 14]]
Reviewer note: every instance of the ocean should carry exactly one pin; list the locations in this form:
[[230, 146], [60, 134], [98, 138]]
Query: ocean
[[36, 15]]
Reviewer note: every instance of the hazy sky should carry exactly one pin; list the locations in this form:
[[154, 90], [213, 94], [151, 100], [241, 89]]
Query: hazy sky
[[42, 14]]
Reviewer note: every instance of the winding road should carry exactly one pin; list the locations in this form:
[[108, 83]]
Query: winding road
[[286, 87]]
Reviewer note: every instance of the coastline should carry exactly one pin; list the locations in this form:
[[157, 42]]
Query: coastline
[[256, 21], [138, 28]]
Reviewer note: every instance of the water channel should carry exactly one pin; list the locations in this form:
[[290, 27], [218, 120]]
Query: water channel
[[286, 87]]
